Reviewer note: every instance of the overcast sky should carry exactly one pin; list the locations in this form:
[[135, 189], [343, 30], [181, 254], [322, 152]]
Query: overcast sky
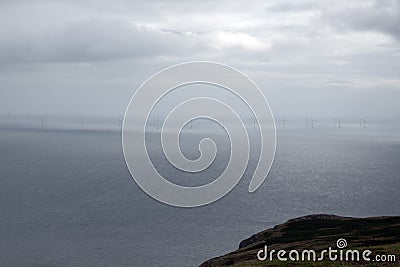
[[320, 58]]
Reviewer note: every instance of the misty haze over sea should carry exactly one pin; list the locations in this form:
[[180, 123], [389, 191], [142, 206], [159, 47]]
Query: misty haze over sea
[[68, 198]]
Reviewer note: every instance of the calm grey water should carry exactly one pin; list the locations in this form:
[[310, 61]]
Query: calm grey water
[[67, 199]]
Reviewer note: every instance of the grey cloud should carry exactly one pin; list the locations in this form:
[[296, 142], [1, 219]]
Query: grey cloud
[[291, 6], [380, 16], [88, 41], [306, 48]]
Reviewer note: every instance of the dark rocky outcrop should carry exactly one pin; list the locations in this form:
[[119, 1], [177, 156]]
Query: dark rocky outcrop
[[315, 232]]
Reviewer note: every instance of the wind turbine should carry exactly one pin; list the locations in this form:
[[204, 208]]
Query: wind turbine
[[120, 122], [312, 122], [363, 123]]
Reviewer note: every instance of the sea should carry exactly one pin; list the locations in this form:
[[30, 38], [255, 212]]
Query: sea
[[67, 197]]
